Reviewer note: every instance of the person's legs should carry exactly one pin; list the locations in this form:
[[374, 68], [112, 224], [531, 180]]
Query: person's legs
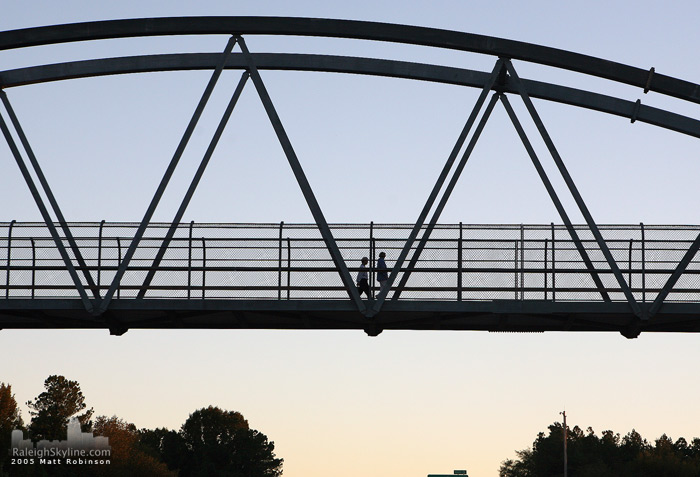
[[363, 286]]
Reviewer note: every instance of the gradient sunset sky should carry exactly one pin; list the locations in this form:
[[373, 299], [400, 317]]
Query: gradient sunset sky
[[341, 403]]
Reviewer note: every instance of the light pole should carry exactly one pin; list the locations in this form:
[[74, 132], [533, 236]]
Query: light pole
[[566, 467]]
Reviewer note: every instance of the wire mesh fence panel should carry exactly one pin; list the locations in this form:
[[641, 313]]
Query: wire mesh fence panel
[[292, 261]]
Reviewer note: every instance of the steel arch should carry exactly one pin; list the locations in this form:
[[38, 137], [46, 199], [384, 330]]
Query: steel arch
[[351, 65], [361, 30]]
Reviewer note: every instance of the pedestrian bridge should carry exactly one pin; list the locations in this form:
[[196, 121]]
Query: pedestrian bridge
[[520, 278], [464, 277]]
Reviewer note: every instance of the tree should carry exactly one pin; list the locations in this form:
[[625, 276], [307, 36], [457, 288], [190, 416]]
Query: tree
[[221, 443], [209, 426], [127, 458], [607, 456], [255, 455], [52, 409], [10, 419], [633, 445], [165, 445]]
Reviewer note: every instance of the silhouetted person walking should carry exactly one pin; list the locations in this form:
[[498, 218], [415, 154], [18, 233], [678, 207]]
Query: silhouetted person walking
[[363, 278], [382, 275]]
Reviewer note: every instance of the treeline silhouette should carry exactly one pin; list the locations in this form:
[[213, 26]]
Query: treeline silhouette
[[606, 456], [211, 442]]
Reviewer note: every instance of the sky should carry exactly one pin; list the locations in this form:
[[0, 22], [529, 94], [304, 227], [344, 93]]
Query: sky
[[403, 403]]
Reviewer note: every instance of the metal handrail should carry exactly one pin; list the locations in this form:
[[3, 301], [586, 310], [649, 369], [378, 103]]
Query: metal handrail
[[283, 262]]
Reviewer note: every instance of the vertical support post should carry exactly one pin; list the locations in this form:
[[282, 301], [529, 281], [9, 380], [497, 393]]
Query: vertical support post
[[168, 174], [189, 261], [573, 190], [9, 258], [629, 264], [545, 268], [289, 266], [554, 266], [515, 268], [644, 265], [460, 263], [119, 259], [300, 176], [204, 267], [33, 265], [371, 258], [279, 264], [99, 255], [522, 262]]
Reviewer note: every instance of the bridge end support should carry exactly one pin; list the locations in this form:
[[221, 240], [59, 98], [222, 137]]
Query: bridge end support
[[373, 329], [114, 324], [631, 332], [117, 330]]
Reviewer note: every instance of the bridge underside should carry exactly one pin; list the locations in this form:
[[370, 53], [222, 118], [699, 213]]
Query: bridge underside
[[496, 316]]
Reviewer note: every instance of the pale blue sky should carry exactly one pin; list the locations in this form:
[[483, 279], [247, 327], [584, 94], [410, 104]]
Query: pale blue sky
[[404, 403]]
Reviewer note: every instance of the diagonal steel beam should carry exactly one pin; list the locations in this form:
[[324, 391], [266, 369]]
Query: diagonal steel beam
[[445, 196], [671, 282], [193, 185], [166, 178], [303, 182], [49, 194], [555, 198], [497, 69], [574, 191], [46, 216]]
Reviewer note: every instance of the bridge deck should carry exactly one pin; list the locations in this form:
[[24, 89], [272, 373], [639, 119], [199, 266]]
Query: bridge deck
[[496, 315]]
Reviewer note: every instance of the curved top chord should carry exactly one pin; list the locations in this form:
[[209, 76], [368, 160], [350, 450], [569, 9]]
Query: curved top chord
[[353, 65], [356, 30]]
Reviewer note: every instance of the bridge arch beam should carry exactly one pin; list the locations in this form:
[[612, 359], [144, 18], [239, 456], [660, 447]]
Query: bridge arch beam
[[649, 80]]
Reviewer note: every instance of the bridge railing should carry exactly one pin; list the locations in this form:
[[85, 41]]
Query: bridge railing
[[290, 261]]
